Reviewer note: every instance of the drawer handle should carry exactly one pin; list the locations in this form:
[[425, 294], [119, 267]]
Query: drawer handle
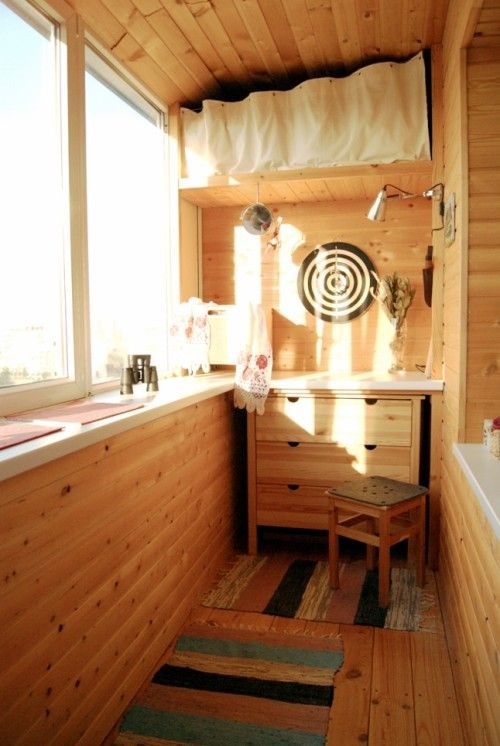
[[293, 443], [292, 399], [293, 486], [370, 402], [370, 446]]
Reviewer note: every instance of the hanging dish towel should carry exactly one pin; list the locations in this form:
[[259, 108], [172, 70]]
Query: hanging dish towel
[[254, 364], [190, 335]]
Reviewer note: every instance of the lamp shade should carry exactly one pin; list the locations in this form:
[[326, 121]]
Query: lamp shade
[[377, 210]]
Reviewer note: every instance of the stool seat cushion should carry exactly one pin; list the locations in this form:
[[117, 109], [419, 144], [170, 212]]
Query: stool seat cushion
[[377, 490]]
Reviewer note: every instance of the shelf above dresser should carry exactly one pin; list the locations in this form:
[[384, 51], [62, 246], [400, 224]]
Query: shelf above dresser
[[306, 185]]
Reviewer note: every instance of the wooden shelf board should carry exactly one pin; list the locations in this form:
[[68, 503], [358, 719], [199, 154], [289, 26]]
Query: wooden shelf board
[[306, 185]]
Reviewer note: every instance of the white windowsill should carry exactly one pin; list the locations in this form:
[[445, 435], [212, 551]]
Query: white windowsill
[[174, 394], [483, 472]]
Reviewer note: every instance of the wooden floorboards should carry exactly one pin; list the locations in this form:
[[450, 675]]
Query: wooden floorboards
[[394, 687]]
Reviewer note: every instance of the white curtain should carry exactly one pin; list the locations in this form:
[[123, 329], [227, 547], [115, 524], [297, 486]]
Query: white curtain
[[375, 115]]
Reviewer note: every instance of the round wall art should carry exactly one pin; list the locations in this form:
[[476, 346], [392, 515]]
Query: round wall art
[[335, 282]]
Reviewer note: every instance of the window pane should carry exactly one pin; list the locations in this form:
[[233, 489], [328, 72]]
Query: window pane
[[32, 256], [126, 224]]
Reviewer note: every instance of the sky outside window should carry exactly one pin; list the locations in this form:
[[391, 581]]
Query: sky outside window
[[32, 297]]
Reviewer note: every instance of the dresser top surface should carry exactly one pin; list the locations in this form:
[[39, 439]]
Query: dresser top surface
[[406, 381]]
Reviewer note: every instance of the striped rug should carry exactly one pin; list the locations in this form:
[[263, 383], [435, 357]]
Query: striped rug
[[299, 588], [240, 687]]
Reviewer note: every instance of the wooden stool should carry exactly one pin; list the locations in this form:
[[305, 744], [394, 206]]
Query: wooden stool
[[391, 511]]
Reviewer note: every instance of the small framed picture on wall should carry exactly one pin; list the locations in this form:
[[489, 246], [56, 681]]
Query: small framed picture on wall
[[449, 220]]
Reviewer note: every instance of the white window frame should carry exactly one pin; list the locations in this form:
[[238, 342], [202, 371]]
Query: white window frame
[[74, 38]]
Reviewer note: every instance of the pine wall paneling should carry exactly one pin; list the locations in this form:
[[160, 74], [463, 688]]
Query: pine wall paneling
[[483, 361], [437, 220], [469, 591], [103, 554], [469, 553], [237, 269]]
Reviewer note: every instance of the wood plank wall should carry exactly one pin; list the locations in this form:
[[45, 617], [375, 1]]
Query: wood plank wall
[[237, 269], [469, 589], [469, 553], [103, 554], [483, 347]]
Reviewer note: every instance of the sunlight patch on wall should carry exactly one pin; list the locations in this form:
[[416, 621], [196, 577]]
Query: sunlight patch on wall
[[247, 267], [289, 304]]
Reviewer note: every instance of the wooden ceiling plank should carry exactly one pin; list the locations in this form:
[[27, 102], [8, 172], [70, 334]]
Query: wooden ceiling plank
[[325, 32], [274, 13], [138, 27], [346, 23], [147, 7], [368, 29], [133, 56], [186, 22], [416, 26], [99, 21], [300, 23], [433, 22], [208, 20], [391, 24], [259, 76], [174, 39], [404, 28], [260, 33]]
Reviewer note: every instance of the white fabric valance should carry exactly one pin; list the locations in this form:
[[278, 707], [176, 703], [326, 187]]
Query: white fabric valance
[[375, 115]]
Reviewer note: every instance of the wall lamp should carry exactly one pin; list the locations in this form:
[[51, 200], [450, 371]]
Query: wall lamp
[[377, 210]]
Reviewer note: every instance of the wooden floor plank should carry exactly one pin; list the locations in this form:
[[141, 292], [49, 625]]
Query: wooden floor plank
[[349, 719], [392, 719], [437, 719]]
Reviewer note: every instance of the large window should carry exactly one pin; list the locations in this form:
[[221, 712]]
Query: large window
[[126, 209], [34, 287], [85, 261]]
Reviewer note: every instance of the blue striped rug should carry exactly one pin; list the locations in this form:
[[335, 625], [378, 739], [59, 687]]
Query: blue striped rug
[[236, 686]]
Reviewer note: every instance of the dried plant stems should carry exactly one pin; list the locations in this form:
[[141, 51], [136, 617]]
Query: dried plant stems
[[395, 294]]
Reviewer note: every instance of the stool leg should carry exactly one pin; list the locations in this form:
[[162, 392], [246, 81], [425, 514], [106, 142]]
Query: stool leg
[[421, 543], [370, 549], [333, 547], [384, 561]]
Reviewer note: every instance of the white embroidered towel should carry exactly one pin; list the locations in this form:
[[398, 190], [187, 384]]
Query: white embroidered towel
[[254, 363], [190, 335]]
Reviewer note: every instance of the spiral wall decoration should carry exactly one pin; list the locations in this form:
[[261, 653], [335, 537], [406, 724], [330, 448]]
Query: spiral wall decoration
[[335, 282]]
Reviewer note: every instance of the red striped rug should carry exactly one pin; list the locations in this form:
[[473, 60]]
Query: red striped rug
[[298, 588], [227, 686]]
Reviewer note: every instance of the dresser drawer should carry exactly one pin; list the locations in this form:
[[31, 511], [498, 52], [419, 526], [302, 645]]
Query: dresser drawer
[[326, 463], [292, 505], [336, 420]]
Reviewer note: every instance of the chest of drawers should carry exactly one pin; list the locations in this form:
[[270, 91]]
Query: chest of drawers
[[304, 444]]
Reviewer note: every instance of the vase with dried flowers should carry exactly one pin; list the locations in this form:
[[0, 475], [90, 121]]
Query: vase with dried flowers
[[395, 294]]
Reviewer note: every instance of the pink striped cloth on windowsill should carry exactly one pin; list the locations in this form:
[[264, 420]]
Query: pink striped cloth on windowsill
[[13, 433], [82, 411]]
